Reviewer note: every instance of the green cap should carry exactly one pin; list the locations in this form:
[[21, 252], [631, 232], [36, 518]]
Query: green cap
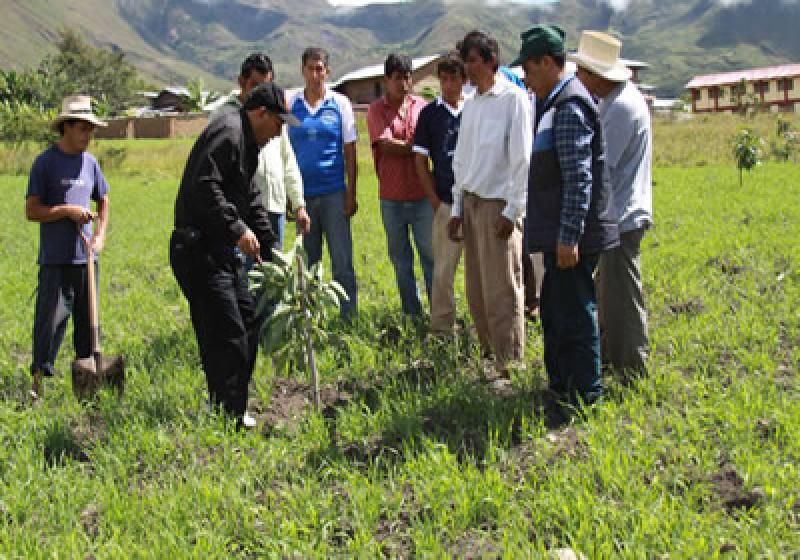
[[539, 40]]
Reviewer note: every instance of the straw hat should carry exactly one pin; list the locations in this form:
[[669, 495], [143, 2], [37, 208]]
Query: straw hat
[[77, 107], [599, 53]]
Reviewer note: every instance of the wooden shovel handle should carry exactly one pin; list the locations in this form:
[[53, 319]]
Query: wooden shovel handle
[[94, 322]]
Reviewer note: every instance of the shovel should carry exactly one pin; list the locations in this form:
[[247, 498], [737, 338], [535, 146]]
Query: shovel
[[89, 374]]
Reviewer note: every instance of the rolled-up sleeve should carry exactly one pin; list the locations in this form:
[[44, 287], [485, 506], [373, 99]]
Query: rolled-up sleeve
[[573, 142]]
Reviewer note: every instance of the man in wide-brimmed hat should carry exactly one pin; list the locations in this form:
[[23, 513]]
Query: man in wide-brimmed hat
[[625, 118], [63, 180], [570, 216]]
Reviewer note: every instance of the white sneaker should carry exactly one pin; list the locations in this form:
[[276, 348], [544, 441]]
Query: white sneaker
[[248, 421]]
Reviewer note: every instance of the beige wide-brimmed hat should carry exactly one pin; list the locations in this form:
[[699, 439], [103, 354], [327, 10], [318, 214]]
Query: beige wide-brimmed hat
[[599, 53], [77, 107]]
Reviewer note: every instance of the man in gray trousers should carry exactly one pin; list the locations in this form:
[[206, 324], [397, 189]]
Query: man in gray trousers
[[625, 118]]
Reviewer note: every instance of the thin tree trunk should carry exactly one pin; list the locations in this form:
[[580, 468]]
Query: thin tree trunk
[[310, 358]]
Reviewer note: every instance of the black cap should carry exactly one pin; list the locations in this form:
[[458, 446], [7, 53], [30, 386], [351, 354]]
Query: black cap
[[272, 98]]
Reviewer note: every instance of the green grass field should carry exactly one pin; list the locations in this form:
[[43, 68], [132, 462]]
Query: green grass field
[[415, 456]]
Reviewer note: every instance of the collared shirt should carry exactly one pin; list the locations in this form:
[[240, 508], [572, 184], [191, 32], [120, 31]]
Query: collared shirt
[[493, 151], [278, 175], [319, 143], [217, 194], [436, 137], [397, 175], [629, 150]]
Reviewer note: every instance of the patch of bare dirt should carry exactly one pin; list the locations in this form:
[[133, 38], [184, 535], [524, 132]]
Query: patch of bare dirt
[[90, 521], [727, 266], [473, 544], [694, 306], [730, 490], [567, 444], [291, 399]]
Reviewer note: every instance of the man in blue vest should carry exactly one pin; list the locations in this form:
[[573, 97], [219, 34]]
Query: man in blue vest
[[325, 148], [570, 214]]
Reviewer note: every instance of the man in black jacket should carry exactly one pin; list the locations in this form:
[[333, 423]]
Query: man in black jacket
[[219, 209]]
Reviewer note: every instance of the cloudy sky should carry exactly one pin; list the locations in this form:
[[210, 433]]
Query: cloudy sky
[[365, 2], [617, 4]]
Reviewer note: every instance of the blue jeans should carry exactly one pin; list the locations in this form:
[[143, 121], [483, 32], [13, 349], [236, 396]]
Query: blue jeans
[[327, 217], [398, 218], [278, 222], [568, 308]]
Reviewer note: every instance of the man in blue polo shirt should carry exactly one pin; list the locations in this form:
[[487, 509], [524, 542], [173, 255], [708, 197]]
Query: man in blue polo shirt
[[325, 148], [64, 179], [435, 140]]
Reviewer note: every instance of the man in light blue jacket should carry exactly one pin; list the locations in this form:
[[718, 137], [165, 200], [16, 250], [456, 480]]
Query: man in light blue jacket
[[625, 119]]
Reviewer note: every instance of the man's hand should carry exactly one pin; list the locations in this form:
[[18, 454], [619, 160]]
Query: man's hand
[[435, 202], [350, 205], [248, 244], [79, 214], [503, 227], [98, 242], [567, 256], [454, 229], [303, 220]]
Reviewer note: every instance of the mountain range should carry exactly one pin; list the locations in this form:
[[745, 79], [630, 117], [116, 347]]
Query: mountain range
[[172, 41]]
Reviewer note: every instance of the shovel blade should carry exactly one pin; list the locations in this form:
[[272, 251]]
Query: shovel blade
[[92, 373]]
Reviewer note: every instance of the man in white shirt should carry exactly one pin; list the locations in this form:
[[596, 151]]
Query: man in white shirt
[[277, 176], [489, 194]]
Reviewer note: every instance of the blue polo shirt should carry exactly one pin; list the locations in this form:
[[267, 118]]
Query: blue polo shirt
[[59, 178], [435, 137]]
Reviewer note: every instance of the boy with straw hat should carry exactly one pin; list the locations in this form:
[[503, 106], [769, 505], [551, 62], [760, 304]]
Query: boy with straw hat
[[63, 181]]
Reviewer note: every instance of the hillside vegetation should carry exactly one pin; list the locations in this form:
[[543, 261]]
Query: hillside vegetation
[[173, 41]]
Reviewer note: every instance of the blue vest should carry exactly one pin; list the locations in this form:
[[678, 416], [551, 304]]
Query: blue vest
[[545, 181], [318, 147]]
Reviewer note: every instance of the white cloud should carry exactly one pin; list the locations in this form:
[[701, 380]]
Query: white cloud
[[349, 3]]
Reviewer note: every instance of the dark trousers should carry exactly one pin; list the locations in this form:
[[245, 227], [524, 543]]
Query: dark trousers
[[623, 316], [61, 293], [224, 320], [571, 334]]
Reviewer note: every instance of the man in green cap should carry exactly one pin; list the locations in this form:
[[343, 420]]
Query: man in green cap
[[570, 216]]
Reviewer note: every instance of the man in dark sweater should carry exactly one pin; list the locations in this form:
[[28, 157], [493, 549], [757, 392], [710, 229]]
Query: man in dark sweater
[[570, 214], [218, 209]]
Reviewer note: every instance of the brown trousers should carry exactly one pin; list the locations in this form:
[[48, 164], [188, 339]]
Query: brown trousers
[[446, 256], [493, 278]]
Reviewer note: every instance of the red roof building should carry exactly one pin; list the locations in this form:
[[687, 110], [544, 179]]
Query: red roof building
[[773, 87]]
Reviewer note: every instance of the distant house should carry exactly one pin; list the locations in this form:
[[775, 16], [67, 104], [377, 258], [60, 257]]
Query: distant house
[[775, 87], [366, 84], [171, 99]]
